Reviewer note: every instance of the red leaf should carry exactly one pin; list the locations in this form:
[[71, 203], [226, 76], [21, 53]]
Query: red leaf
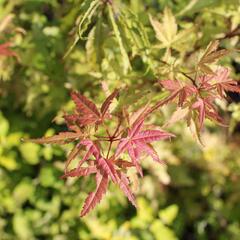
[[61, 138], [123, 183], [92, 149], [148, 136], [106, 104], [137, 142], [170, 85], [134, 158], [216, 118], [79, 172], [72, 155], [177, 90], [151, 152], [95, 197], [88, 111], [107, 166], [72, 121], [224, 83]]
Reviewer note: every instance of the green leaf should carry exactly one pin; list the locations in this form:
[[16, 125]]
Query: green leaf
[[88, 7], [30, 152], [9, 162], [168, 214], [87, 16], [167, 32], [161, 232], [21, 226], [125, 60], [134, 30], [23, 191], [47, 177]]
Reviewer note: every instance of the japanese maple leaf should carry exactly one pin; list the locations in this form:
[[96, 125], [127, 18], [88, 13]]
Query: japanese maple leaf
[[105, 168], [224, 82], [4, 50], [103, 164], [206, 109], [211, 55], [124, 183], [95, 197], [118, 177], [205, 82], [102, 180], [220, 80], [138, 141], [176, 90], [92, 149], [87, 112]]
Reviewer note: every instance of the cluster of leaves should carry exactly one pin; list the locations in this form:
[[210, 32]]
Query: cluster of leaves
[[195, 102], [33, 203], [90, 126], [196, 98], [130, 135]]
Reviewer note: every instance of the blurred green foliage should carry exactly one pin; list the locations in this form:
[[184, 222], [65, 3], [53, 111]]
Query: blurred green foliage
[[196, 196]]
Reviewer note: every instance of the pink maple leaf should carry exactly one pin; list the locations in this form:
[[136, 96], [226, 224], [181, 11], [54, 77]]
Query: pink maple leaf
[[138, 141]]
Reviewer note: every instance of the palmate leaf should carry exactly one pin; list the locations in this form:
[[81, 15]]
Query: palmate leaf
[[167, 32], [95, 197], [220, 81], [176, 90], [211, 55], [224, 83], [205, 108], [138, 141], [85, 107], [87, 111], [197, 97]]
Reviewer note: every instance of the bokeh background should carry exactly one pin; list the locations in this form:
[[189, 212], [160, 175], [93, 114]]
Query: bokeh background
[[196, 196]]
